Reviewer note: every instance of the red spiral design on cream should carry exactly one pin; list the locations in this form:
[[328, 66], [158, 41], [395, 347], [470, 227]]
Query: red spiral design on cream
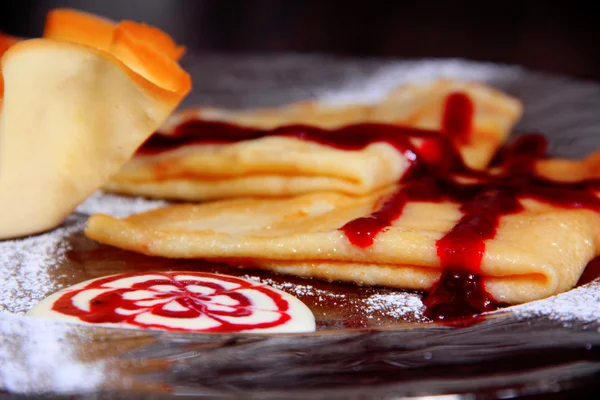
[[185, 301]]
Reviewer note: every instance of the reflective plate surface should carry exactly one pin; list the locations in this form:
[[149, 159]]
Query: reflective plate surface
[[371, 343]]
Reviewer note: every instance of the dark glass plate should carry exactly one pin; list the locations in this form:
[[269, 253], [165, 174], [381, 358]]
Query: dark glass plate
[[371, 342]]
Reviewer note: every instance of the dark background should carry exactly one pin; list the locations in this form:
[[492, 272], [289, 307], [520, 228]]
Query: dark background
[[561, 37]]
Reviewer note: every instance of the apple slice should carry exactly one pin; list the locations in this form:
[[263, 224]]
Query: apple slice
[[74, 110]]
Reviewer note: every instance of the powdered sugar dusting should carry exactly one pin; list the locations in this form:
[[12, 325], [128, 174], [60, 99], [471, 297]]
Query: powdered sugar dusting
[[396, 305], [377, 304], [117, 206], [376, 86], [37, 354], [582, 303], [300, 290], [28, 267]]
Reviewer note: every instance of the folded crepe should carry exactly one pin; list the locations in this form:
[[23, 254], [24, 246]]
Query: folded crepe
[[547, 231], [76, 105], [191, 163], [536, 253]]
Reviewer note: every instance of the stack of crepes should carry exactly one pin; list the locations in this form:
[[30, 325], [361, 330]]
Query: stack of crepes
[[76, 104], [279, 202]]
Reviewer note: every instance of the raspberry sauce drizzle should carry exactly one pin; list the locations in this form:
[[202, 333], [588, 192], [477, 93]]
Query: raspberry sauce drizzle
[[457, 120], [460, 292]]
